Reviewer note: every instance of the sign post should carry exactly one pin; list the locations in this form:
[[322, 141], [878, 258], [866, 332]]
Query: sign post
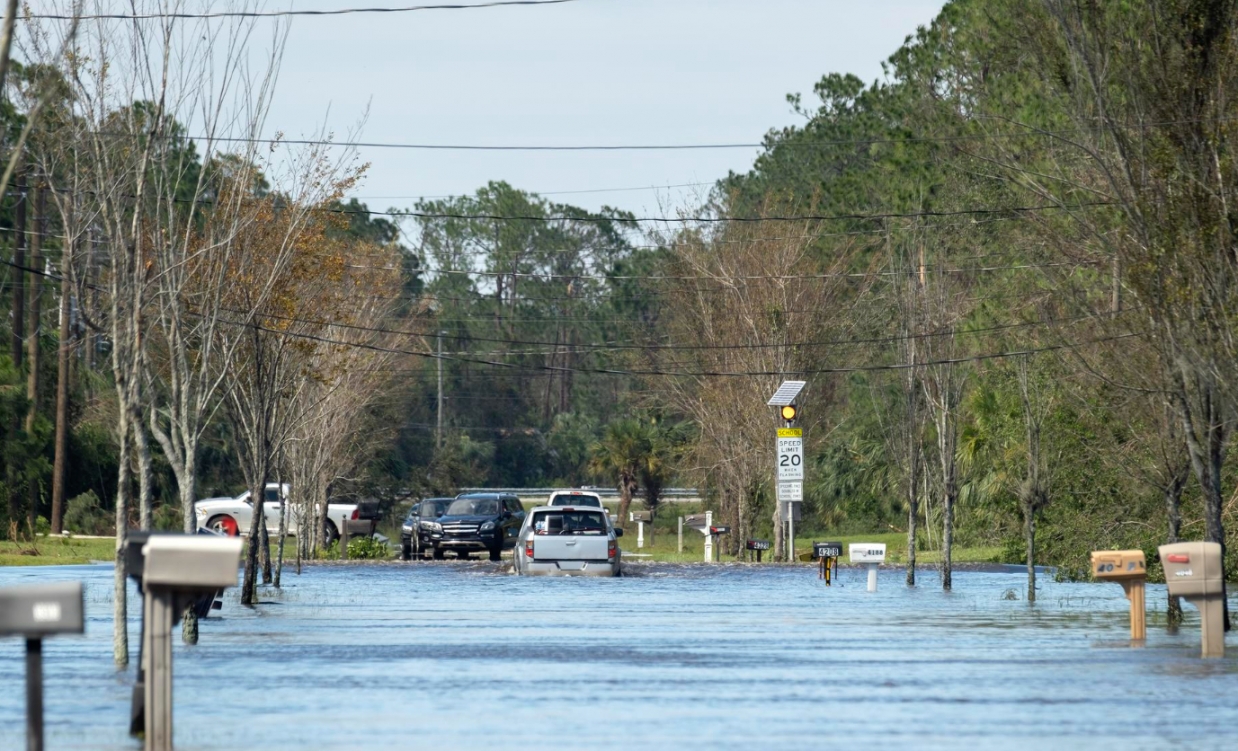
[[789, 458]]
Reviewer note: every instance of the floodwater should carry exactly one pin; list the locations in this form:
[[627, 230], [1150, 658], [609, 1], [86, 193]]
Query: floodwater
[[458, 656]]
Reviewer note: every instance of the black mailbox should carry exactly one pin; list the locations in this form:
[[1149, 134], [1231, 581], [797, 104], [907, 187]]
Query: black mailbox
[[827, 550], [757, 545]]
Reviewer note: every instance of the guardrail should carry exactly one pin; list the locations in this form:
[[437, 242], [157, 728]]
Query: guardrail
[[669, 495]]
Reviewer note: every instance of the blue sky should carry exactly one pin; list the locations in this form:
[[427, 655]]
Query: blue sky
[[587, 72]]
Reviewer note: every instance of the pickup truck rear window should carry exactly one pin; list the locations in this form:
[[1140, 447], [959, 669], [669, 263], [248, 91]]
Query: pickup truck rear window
[[569, 523], [576, 499]]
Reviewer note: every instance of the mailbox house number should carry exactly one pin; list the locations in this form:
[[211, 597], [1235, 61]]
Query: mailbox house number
[[829, 551], [46, 612]]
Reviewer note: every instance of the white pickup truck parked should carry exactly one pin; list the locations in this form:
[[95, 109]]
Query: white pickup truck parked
[[568, 541], [232, 516]]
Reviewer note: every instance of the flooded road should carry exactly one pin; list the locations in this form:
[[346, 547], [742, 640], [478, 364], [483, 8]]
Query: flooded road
[[456, 656]]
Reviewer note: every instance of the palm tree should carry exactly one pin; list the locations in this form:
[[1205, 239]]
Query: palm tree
[[619, 455]]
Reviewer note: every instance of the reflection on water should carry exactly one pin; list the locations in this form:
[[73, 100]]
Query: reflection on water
[[673, 656]]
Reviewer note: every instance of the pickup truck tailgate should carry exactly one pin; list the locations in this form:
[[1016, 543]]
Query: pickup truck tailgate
[[569, 547]]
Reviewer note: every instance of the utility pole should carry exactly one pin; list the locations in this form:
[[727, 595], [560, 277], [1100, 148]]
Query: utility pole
[[19, 277], [35, 279], [62, 385], [439, 428]]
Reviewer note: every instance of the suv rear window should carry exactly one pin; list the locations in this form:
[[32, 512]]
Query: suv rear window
[[473, 507], [576, 499], [575, 522]]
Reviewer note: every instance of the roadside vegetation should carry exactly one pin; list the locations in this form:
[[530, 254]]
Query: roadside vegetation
[[1007, 270]]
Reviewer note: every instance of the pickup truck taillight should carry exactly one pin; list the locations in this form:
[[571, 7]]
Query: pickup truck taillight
[[356, 514], [528, 548], [612, 548]]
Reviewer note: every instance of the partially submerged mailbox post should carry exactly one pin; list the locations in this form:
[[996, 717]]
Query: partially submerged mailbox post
[[827, 553], [756, 545], [1193, 572], [37, 612], [1128, 568], [871, 554], [640, 517], [179, 569]]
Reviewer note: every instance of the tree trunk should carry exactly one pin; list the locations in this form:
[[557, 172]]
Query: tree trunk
[[283, 535], [780, 538], [249, 581], [120, 611], [947, 542], [264, 541], [1029, 529], [146, 475], [912, 522], [1173, 509], [625, 498]]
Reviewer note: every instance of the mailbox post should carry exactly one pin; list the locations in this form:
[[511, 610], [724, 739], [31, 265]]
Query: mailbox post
[[1193, 572], [828, 554], [37, 612], [178, 570], [871, 554], [1128, 568], [640, 517]]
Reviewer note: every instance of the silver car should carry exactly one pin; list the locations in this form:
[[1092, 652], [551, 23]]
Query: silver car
[[568, 541]]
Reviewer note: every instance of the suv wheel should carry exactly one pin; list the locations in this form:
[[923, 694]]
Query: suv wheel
[[406, 551], [496, 554], [439, 554]]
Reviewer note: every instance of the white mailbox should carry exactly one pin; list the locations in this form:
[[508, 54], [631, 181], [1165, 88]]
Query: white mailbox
[[177, 570], [191, 562], [871, 554]]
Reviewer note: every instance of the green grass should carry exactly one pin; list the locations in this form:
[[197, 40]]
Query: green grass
[[57, 551]]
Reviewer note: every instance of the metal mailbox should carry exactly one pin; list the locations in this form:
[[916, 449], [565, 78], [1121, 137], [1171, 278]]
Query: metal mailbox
[[1128, 568], [871, 554], [36, 612], [1193, 572], [719, 530], [757, 545], [178, 569], [827, 550], [640, 516]]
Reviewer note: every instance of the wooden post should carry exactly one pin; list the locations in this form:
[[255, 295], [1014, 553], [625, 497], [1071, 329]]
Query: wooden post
[[1135, 593], [17, 346], [35, 320], [344, 541], [62, 390], [681, 534]]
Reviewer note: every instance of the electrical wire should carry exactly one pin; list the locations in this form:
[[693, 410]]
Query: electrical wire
[[286, 13]]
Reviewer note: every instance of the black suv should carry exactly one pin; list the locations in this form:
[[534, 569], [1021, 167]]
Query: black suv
[[475, 522], [413, 536]]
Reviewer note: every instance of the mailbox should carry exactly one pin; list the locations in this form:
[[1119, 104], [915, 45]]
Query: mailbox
[[759, 546], [191, 564], [640, 516], [178, 569], [1128, 568], [827, 553], [716, 530], [1193, 571], [871, 554], [827, 550], [36, 612]]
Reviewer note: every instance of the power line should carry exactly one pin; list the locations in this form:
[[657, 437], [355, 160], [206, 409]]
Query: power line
[[287, 13]]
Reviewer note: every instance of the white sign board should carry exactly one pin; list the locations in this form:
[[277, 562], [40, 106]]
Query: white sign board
[[790, 460], [868, 552], [790, 491]]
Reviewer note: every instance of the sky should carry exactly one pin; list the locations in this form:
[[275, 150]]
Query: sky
[[590, 72]]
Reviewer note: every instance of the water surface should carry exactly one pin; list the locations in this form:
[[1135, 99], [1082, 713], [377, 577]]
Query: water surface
[[457, 656]]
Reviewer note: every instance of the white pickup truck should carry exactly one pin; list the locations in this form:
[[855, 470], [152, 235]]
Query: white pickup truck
[[232, 516], [568, 541]]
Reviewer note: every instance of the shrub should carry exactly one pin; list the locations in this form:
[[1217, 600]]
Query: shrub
[[85, 515]]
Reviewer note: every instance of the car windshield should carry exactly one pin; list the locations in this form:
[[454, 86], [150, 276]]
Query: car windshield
[[473, 507], [434, 509], [577, 500], [570, 523]]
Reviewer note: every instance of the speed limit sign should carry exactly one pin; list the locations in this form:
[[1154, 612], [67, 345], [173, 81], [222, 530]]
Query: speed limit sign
[[790, 455]]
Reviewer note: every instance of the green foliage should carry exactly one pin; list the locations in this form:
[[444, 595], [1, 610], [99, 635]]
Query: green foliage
[[84, 514], [368, 549]]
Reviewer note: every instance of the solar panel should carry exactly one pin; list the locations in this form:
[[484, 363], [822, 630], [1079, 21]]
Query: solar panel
[[786, 393]]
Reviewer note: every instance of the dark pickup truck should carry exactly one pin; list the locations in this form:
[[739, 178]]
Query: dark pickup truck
[[474, 523]]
